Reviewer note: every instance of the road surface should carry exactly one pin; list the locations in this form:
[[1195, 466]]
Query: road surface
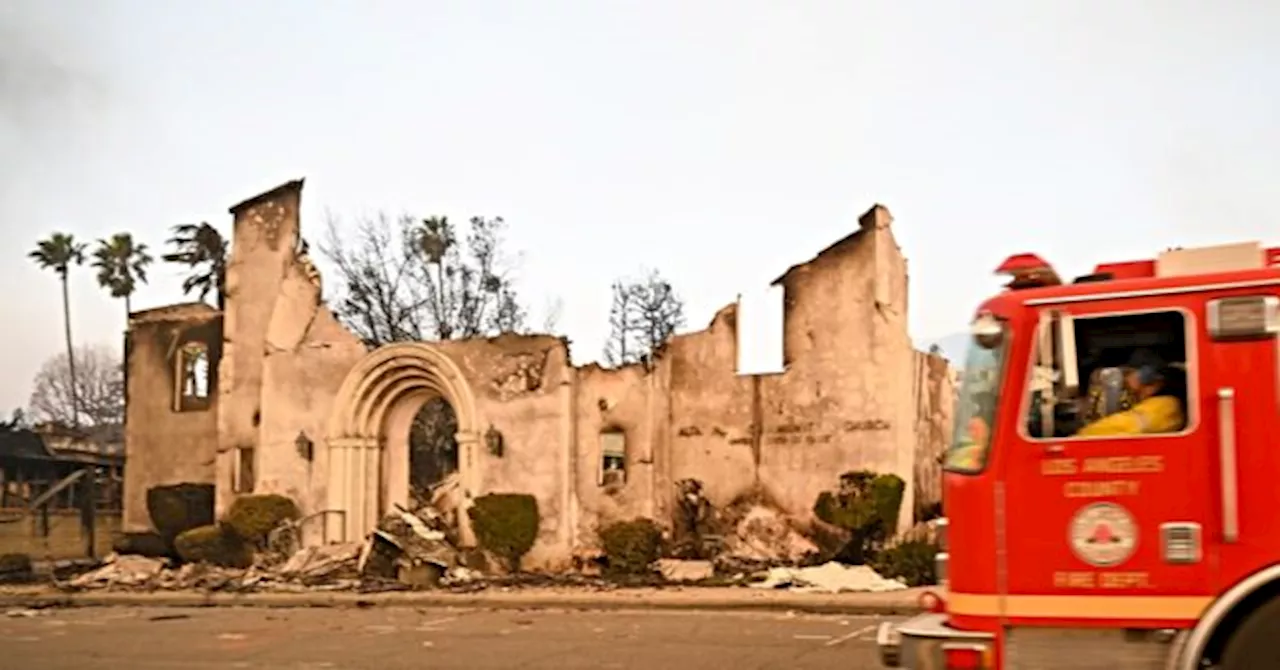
[[440, 639]]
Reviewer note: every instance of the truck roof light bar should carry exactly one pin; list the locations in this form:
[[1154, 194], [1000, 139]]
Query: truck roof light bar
[[1028, 271]]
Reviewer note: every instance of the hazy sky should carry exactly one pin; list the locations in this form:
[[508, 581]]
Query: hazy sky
[[718, 140]]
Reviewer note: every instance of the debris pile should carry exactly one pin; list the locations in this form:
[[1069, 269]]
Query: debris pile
[[417, 548], [695, 533], [414, 549], [829, 578], [127, 571], [408, 549], [682, 572], [762, 537]]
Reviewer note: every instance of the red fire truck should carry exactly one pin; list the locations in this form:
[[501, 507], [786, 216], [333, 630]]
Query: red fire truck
[[1137, 549]]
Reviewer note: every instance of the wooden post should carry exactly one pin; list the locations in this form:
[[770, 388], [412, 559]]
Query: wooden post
[[88, 511], [71, 494], [44, 519]]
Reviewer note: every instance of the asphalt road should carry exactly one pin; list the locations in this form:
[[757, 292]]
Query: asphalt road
[[392, 639]]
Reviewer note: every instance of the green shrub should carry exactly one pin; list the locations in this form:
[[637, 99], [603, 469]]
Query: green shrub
[[150, 545], [506, 524], [867, 505], [179, 507], [631, 547], [912, 562], [886, 498], [252, 518], [214, 544], [16, 568]]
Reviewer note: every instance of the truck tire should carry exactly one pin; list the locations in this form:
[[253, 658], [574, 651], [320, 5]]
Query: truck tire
[[1253, 645]]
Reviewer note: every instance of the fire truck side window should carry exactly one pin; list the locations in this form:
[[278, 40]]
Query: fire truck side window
[[1133, 372]]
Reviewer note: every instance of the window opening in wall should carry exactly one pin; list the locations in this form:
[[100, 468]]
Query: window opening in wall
[[193, 373], [613, 457], [1133, 371], [433, 448], [760, 327]]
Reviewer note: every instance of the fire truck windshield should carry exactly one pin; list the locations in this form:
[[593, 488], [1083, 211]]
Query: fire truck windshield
[[976, 405]]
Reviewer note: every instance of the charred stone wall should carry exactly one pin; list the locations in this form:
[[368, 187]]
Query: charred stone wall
[[285, 357], [171, 429], [593, 445], [934, 400]]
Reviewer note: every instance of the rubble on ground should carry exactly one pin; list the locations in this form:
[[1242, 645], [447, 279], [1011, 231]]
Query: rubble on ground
[[416, 548], [121, 571], [764, 537], [682, 571], [829, 578], [408, 549]]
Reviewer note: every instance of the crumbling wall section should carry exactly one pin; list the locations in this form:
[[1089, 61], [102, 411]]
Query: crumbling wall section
[[166, 442], [934, 395], [624, 409], [516, 381], [712, 412], [843, 403], [286, 357], [894, 358]]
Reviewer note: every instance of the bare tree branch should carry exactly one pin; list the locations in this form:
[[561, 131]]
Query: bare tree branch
[[408, 279], [551, 314], [644, 314], [99, 389]]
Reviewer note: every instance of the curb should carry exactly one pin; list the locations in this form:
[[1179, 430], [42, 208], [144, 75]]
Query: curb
[[493, 601]]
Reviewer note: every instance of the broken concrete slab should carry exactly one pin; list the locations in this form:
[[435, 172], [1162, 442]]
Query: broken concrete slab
[[121, 571], [764, 537], [674, 570], [322, 561]]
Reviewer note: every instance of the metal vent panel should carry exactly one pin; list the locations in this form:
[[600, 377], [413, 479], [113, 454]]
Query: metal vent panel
[[1028, 648]]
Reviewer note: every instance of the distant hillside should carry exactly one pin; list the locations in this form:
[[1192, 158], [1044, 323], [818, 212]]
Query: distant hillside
[[953, 347]]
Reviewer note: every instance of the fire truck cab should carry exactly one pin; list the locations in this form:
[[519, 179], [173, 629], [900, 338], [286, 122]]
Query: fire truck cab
[[1113, 488]]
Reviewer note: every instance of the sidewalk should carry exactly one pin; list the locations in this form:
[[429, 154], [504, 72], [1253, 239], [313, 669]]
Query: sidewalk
[[671, 598]]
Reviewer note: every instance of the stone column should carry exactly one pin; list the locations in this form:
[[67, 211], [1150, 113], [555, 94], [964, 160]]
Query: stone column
[[468, 458], [336, 521], [568, 461], [370, 477], [353, 488]]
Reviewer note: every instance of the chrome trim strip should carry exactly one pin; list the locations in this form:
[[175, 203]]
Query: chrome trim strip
[[1227, 463], [932, 625]]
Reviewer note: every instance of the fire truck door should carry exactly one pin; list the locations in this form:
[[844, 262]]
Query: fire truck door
[[1095, 526], [1240, 374]]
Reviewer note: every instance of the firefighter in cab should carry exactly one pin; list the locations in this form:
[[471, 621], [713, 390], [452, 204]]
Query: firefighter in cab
[[1152, 400]]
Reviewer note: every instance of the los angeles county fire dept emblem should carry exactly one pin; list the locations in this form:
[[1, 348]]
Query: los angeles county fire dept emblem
[[1103, 535]]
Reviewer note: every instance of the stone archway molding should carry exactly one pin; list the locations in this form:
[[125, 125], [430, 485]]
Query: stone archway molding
[[355, 432]]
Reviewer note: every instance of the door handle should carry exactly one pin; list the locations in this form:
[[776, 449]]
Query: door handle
[[1228, 465]]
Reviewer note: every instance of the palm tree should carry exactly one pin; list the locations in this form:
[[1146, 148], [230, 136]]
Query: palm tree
[[59, 253], [121, 265], [201, 248]]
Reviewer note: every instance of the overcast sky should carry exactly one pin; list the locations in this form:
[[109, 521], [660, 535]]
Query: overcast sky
[[717, 140]]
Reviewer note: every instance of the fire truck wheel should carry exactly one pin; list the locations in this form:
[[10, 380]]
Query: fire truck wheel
[[1253, 645]]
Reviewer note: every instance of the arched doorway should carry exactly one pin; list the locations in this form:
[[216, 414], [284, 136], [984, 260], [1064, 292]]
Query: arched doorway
[[433, 447], [369, 433]]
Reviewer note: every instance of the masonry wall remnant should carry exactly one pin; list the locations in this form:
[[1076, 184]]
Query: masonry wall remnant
[[171, 403], [298, 406]]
